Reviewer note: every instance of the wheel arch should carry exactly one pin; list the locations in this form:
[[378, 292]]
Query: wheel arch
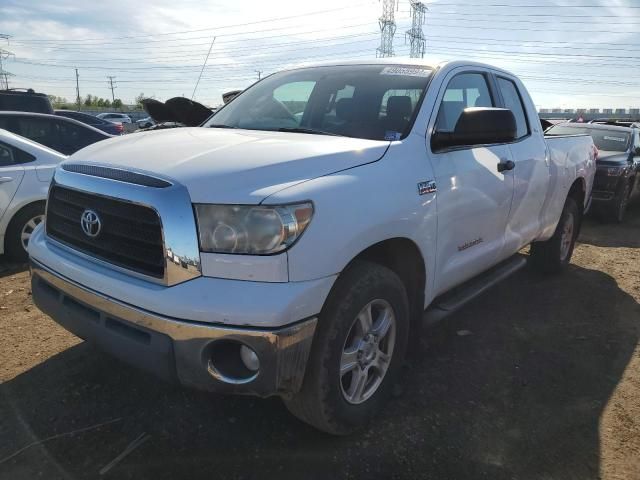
[[403, 256], [15, 213], [578, 191]]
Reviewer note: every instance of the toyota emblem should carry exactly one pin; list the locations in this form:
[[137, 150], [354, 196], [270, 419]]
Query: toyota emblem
[[90, 223]]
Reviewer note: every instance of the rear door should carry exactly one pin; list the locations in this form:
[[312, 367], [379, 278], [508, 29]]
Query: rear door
[[531, 173], [11, 174], [473, 198]]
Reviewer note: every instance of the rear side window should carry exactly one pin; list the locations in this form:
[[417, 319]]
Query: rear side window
[[513, 102], [464, 90], [6, 156], [12, 156]]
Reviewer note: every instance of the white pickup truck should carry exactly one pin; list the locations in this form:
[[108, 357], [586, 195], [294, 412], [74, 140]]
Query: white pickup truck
[[292, 244]]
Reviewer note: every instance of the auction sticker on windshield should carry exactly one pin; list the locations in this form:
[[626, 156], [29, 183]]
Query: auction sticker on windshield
[[615, 139], [406, 71]]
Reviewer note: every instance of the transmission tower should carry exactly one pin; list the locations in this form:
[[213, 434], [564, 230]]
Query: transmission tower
[[4, 54], [416, 35], [387, 28]]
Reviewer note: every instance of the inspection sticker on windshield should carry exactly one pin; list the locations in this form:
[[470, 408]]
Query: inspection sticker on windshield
[[615, 139], [392, 136], [406, 71]]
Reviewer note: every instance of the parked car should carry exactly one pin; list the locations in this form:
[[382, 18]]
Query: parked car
[[24, 100], [618, 174], [322, 239], [145, 122], [115, 117], [26, 169], [64, 135], [104, 125]]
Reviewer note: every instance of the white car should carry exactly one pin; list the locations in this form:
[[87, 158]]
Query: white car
[[26, 169], [115, 117], [309, 247]]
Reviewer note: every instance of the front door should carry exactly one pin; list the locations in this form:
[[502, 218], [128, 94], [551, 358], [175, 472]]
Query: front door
[[473, 198]]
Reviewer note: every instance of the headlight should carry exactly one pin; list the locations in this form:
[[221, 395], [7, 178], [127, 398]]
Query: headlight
[[254, 230]]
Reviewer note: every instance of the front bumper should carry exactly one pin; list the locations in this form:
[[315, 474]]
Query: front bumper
[[175, 350]]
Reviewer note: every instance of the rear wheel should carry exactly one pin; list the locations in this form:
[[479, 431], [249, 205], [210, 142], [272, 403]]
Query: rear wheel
[[357, 351], [20, 229], [554, 255]]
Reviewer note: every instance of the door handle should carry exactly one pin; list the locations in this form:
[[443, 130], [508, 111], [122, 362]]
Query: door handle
[[6, 179], [506, 165]]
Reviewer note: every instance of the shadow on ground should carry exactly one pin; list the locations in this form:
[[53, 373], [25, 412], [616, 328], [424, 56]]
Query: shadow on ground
[[606, 234], [7, 267], [519, 397]]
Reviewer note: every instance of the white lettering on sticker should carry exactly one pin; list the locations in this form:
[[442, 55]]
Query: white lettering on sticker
[[615, 139], [406, 71]]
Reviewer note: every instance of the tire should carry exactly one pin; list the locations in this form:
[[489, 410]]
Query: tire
[[327, 400], [21, 224], [620, 206], [554, 255]]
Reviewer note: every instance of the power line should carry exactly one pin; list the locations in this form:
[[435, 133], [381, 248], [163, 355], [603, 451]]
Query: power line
[[203, 65], [318, 12]]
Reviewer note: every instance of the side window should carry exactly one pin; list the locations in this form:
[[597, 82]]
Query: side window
[[39, 130], [464, 90], [13, 156], [513, 102], [6, 156], [74, 137], [294, 96]]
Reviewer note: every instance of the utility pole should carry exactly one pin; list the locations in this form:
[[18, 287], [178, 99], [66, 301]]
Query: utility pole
[[113, 97], [416, 35], [77, 89], [259, 72], [387, 28]]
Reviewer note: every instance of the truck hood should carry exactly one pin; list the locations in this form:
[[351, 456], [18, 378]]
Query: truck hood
[[232, 166], [611, 159]]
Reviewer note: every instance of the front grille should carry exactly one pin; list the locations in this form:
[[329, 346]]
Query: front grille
[[130, 234]]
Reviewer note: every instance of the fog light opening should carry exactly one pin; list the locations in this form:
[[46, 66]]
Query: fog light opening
[[231, 361]]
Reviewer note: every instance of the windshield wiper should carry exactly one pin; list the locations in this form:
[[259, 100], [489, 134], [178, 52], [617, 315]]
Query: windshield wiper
[[308, 130], [220, 125]]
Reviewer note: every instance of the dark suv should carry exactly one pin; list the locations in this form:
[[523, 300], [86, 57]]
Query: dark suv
[[62, 134], [24, 100], [618, 163]]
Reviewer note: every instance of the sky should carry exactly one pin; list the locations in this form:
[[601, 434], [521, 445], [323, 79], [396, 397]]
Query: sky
[[570, 53]]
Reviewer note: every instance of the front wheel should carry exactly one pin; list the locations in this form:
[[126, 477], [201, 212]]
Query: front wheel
[[554, 255], [20, 229], [357, 352]]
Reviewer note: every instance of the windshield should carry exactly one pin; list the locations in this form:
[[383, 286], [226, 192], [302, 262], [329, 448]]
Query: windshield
[[610, 140], [376, 102]]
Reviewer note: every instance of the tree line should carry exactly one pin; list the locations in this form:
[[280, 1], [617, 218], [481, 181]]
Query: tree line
[[91, 101]]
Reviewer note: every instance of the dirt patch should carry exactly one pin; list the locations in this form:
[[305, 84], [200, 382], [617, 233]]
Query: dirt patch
[[544, 383]]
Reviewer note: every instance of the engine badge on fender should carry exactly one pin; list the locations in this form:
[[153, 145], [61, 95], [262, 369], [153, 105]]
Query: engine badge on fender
[[427, 187]]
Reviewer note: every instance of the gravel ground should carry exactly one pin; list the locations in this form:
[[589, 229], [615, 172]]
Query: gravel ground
[[538, 379]]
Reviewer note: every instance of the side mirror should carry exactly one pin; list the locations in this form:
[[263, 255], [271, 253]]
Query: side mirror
[[478, 126]]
